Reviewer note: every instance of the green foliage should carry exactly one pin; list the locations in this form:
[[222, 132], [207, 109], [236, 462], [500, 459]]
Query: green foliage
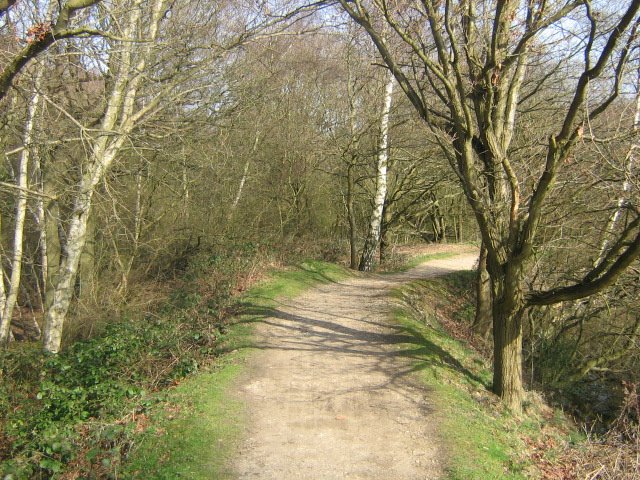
[[291, 282], [99, 379], [72, 410]]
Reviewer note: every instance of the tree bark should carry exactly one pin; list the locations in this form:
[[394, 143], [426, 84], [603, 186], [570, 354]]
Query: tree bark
[[508, 306], [245, 173], [483, 316], [373, 236], [118, 118], [22, 179], [384, 233], [507, 357], [86, 268], [53, 251], [351, 216]]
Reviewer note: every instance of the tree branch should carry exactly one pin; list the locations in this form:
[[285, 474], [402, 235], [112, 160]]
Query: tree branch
[[60, 30], [588, 287]]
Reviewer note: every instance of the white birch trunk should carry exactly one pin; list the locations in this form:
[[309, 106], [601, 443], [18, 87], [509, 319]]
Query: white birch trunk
[[373, 236], [238, 196], [245, 172], [22, 176], [41, 221], [119, 117]]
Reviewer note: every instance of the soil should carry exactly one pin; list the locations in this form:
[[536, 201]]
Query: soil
[[331, 392]]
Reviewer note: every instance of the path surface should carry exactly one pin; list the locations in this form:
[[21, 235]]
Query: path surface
[[328, 394]]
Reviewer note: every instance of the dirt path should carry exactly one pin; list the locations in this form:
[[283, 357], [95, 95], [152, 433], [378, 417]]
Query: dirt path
[[330, 397]]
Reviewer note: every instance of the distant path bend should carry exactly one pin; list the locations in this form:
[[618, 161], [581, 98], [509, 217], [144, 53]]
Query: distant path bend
[[329, 396]]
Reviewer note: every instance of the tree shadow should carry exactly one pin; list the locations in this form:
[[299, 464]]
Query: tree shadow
[[311, 329]]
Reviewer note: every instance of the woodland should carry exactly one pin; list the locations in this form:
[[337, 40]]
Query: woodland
[[146, 142]]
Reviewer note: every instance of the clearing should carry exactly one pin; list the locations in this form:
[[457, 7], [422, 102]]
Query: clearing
[[332, 394]]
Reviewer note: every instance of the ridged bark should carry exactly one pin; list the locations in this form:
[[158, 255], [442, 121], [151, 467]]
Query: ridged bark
[[483, 316], [508, 306]]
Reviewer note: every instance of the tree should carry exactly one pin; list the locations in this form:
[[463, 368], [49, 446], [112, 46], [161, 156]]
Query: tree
[[8, 302], [373, 235], [466, 76]]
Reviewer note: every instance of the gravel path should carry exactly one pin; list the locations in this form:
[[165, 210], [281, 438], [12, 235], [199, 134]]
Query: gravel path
[[329, 396]]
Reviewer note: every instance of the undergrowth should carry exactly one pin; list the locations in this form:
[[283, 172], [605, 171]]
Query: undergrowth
[[74, 414]]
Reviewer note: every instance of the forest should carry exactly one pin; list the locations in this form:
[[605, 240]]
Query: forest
[[163, 153]]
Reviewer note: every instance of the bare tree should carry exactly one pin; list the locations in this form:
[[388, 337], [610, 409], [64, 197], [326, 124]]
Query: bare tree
[[466, 77], [373, 235], [120, 117]]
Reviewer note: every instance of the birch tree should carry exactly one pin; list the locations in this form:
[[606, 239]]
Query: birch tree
[[373, 235], [156, 65], [22, 176], [120, 117]]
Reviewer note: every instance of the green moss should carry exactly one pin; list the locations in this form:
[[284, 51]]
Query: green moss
[[292, 282]]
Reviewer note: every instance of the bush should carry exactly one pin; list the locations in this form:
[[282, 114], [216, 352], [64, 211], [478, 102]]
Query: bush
[[75, 411]]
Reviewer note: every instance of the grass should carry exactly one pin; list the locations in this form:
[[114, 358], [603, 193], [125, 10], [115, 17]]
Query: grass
[[196, 430], [199, 425], [292, 282], [481, 439], [414, 261]]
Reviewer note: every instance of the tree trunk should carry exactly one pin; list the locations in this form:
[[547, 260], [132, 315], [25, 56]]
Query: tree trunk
[[64, 287], [373, 236], [87, 266], [437, 220], [4, 323], [22, 178], [483, 317], [508, 306], [351, 216], [384, 233], [507, 359], [245, 173], [53, 249]]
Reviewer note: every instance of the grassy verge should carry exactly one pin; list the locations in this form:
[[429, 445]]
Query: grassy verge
[[192, 432], [414, 261], [196, 429], [480, 438]]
